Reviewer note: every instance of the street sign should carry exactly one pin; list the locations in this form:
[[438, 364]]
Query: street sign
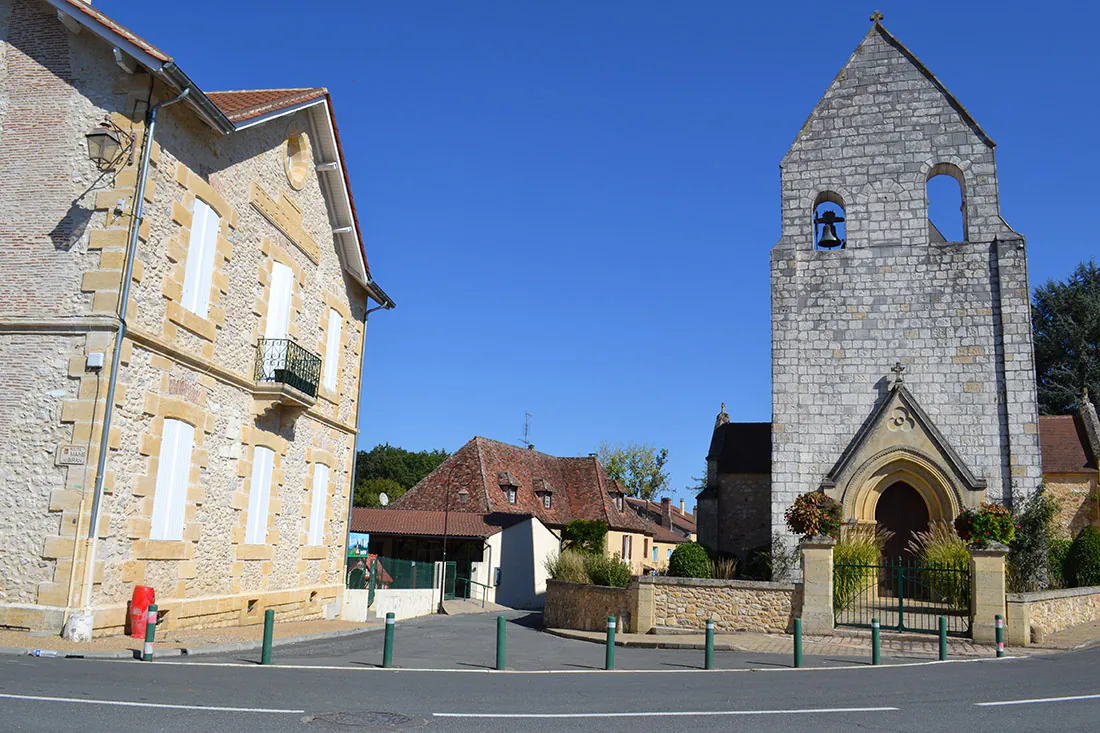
[[71, 455]]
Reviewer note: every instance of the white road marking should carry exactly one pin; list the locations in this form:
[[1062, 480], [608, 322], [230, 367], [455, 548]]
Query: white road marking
[[1033, 701], [128, 704], [664, 714]]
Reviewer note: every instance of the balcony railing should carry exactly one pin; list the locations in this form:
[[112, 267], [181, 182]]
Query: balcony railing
[[283, 361]]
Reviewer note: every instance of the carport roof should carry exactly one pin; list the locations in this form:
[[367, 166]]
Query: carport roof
[[420, 523]]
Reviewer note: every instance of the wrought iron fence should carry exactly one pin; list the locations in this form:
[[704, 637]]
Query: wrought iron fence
[[282, 360], [905, 595]]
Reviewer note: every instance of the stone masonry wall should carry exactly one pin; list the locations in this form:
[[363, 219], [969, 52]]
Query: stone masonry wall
[[744, 513], [1048, 612], [1077, 501], [584, 607], [956, 315], [682, 604]]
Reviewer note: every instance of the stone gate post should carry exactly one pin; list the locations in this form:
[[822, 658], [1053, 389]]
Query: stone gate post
[[987, 589], [817, 588]]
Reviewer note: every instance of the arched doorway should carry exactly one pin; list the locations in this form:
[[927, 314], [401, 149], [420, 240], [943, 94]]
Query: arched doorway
[[902, 510]]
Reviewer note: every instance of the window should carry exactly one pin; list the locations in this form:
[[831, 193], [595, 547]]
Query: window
[[645, 547], [546, 501], [278, 303], [510, 492], [332, 349], [173, 474], [201, 248], [830, 228], [627, 546], [259, 496], [317, 504], [619, 502], [669, 556], [654, 554], [946, 195]]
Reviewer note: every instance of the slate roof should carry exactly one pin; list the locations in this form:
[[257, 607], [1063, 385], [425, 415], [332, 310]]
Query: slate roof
[[742, 447], [1065, 445], [579, 487], [430, 523]]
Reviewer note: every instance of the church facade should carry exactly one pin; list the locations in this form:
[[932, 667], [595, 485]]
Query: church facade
[[903, 380]]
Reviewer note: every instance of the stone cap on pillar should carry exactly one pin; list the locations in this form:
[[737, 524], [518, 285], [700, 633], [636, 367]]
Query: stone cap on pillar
[[993, 549], [818, 540]]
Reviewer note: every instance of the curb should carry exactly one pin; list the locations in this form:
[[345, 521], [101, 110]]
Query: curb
[[239, 646]]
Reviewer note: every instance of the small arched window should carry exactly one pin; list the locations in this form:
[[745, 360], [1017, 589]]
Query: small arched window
[[946, 195], [830, 225]]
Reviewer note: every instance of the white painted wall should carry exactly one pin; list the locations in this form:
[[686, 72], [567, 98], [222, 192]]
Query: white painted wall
[[402, 603], [354, 607]]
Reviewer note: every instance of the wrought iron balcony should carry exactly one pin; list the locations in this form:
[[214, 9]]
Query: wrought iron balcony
[[283, 362]]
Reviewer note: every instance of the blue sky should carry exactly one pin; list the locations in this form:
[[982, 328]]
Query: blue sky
[[573, 202]]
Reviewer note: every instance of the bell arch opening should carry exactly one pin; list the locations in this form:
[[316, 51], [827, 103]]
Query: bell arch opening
[[830, 230], [945, 195]]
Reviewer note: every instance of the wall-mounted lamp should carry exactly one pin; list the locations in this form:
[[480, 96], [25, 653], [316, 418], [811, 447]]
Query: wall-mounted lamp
[[107, 143]]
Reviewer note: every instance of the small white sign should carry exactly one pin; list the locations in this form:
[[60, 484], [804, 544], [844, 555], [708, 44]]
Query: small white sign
[[71, 455]]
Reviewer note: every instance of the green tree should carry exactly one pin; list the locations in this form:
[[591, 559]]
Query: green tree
[[1066, 320], [368, 490], [638, 467], [401, 468], [698, 483]]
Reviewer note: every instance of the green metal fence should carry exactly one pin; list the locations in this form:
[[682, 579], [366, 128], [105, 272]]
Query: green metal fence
[[388, 574], [905, 595]]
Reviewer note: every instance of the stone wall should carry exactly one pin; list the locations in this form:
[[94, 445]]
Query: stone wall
[[586, 607], [744, 513], [684, 604], [1077, 502], [1032, 617]]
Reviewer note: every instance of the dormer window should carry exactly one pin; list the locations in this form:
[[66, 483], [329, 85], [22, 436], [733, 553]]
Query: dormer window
[[544, 492], [463, 496], [546, 500], [618, 501], [510, 493]]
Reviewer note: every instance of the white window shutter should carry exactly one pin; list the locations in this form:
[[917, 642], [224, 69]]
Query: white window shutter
[[278, 303], [259, 496], [173, 475], [201, 249], [317, 504], [332, 348]]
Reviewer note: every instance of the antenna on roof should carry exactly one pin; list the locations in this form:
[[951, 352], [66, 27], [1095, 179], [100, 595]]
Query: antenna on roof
[[527, 431]]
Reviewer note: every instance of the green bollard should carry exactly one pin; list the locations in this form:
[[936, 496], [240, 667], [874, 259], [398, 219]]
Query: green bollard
[[387, 650], [269, 631], [876, 642], [943, 638], [150, 633], [798, 642], [1000, 631], [708, 657], [500, 642], [609, 660]]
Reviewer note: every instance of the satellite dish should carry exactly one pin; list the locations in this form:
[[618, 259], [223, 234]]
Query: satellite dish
[[384, 499]]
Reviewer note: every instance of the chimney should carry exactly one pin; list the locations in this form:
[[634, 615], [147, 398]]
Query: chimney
[[666, 512], [694, 509], [530, 446], [681, 506]]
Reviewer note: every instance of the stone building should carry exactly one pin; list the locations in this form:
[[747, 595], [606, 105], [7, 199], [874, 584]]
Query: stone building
[[1071, 465], [231, 443], [903, 381]]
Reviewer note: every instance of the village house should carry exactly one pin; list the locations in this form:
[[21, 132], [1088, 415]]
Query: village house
[[1071, 466], [227, 480], [504, 508]]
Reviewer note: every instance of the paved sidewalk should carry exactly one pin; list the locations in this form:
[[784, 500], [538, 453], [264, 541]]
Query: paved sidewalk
[[854, 643], [186, 641]]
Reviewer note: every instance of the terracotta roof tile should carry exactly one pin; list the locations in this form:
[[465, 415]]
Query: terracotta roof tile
[[430, 523], [244, 104], [579, 487], [1064, 445], [652, 511]]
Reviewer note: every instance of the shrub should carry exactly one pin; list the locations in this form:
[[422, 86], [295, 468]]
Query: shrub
[[991, 523], [775, 561], [1057, 551], [689, 560], [814, 513], [586, 536], [1082, 566], [1028, 564], [941, 548], [856, 557], [567, 565], [604, 570], [724, 568]]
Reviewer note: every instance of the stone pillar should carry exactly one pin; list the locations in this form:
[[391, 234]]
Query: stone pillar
[[987, 589], [642, 600], [817, 584]]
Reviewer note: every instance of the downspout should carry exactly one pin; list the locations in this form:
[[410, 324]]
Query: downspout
[[388, 305], [78, 627]]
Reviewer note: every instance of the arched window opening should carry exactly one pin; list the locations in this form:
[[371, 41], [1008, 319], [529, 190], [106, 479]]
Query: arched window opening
[[830, 226], [946, 205]]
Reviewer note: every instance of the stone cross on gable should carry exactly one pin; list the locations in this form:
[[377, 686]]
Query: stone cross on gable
[[877, 16], [898, 369]]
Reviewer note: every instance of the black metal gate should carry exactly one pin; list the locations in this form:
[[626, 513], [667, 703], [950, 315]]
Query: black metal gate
[[905, 595]]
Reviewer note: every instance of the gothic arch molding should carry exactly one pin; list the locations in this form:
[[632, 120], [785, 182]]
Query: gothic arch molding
[[861, 494]]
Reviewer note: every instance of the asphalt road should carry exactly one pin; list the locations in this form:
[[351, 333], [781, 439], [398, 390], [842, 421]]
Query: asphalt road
[[327, 690]]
